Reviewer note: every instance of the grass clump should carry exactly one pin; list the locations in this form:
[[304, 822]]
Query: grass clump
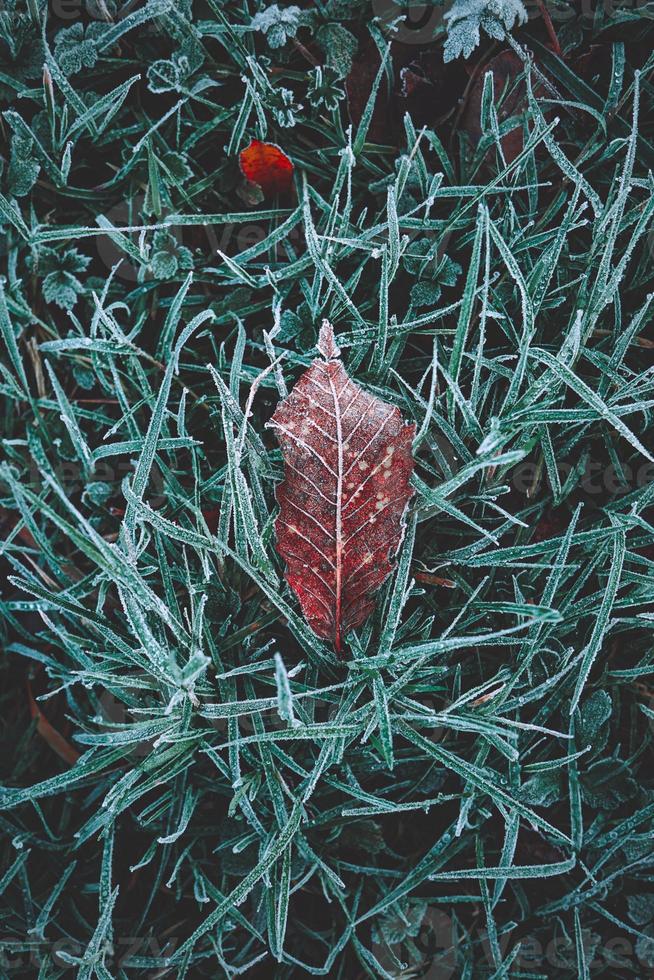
[[194, 784]]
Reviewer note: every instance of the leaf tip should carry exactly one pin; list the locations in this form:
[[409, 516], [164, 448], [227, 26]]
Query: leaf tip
[[327, 345]]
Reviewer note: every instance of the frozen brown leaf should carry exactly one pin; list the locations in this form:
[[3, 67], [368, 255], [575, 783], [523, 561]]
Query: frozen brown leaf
[[348, 463]]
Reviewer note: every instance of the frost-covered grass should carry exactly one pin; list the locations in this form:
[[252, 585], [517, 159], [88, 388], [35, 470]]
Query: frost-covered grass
[[476, 771]]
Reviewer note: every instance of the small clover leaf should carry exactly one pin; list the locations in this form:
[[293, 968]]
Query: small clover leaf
[[77, 47], [174, 74], [168, 256], [324, 90]]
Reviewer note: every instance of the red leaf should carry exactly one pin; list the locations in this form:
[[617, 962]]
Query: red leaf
[[268, 166], [342, 503]]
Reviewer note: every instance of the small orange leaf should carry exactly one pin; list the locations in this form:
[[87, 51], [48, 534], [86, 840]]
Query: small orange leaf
[[268, 166]]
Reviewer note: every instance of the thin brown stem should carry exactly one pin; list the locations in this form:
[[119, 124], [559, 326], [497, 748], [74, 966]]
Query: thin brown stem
[[549, 27]]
